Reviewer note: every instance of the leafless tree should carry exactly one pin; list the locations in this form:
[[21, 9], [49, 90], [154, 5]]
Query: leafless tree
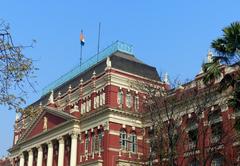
[[16, 70], [183, 122]]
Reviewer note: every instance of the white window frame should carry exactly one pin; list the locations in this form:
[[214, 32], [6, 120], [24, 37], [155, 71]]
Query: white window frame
[[123, 140], [83, 108], [87, 141], [129, 100], [120, 98], [136, 103], [133, 142]]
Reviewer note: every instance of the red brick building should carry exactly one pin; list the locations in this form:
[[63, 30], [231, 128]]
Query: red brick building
[[93, 116]]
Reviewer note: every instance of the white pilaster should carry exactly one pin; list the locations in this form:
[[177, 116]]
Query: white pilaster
[[21, 160], [40, 156], [30, 157], [73, 157], [61, 152], [50, 154]]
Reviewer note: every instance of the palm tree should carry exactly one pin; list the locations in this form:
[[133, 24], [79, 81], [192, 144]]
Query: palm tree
[[227, 48]]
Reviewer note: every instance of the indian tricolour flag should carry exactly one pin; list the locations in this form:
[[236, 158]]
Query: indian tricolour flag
[[82, 39]]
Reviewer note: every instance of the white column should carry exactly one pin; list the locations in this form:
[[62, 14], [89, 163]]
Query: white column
[[61, 152], [50, 154], [30, 157], [40, 156], [73, 157], [21, 160]]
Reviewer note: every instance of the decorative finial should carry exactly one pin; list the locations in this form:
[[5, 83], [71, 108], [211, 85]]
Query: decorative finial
[[59, 94], [70, 88], [209, 56], [165, 78], [51, 98], [94, 73], [81, 81]]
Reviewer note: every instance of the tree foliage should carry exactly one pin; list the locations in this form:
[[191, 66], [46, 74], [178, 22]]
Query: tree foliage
[[16, 70], [227, 48]]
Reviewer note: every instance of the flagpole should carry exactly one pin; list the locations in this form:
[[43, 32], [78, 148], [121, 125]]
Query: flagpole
[[99, 33], [80, 55], [81, 48]]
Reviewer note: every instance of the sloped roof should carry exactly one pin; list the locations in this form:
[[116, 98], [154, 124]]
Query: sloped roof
[[120, 60]]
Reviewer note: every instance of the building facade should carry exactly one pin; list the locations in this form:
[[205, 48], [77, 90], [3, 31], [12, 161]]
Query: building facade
[[94, 116]]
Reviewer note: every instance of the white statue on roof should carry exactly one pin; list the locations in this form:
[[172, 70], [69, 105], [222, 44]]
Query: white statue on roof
[[165, 78], [209, 57], [108, 62], [45, 121], [51, 98]]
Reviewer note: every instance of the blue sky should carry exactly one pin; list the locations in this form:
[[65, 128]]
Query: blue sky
[[173, 36]]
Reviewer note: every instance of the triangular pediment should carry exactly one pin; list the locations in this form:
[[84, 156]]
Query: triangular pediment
[[48, 119]]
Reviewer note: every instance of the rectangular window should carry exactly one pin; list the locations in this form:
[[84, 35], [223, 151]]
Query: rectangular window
[[217, 132], [133, 143], [89, 104], [136, 103], [86, 143], [120, 98], [123, 139], [97, 101], [100, 139], [83, 108], [102, 99], [129, 100], [86, 105], [93, 143]]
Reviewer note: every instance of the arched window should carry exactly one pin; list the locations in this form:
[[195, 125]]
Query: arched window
[[123, 139], [194, 162], [133, 142], [217, 160]]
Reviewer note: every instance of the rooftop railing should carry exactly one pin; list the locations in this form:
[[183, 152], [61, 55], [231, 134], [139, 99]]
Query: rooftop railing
[[116, 46]]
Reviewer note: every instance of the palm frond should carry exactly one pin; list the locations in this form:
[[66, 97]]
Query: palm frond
[[212, 72]]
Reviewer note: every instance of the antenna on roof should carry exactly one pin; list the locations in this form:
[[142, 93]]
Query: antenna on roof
[[99, 35]]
